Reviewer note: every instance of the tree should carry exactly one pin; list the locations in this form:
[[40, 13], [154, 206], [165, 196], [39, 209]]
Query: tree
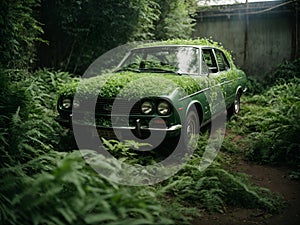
[[80, 31], [176, 19], [19, 33]]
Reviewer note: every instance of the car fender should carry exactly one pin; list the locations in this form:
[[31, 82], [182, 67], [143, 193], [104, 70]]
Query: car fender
[[198, 106], [240, 90]]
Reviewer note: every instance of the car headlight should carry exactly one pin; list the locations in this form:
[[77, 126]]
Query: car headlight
[[147, 107], [67, 103], [163, 108]]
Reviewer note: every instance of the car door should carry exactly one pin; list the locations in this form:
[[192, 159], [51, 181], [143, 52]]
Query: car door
[[217, 79], [225, 81]]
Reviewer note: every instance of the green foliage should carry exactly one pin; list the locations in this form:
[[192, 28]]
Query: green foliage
[[148, 13], [14, 103], [13, 95], [131, 84], [137, 85], [254, 86], [73, 28], [198, 41], [214, 188], [27, 119], [44, 84], [19, 33], [284, 71], [176, 19], [80, 31], [229, 144], [42, 186], [179, 211], [127, 151], [271, 124], [63, 190]]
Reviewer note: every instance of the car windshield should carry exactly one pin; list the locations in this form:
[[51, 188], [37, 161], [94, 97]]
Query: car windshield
[[163, 59]]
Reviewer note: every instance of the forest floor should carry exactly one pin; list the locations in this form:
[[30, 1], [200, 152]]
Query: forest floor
[[275, 179]]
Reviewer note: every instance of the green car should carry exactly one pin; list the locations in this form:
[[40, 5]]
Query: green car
[[170, 89]]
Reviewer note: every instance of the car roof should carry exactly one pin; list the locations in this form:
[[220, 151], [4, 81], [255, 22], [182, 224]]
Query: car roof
[[172, 45]]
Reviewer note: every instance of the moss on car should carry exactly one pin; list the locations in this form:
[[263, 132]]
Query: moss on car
[[158, 84]]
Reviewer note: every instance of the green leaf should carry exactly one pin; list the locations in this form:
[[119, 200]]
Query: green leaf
[[98, 218]]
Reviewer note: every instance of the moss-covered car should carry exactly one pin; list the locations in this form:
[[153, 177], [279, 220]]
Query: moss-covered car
[[173, 87]]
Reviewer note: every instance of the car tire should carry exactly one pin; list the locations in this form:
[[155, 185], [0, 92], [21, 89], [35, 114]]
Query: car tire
[[191, 126], [235, 107]]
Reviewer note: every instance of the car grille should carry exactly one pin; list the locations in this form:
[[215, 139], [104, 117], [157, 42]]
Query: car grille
[[105, 106], [122, 106]]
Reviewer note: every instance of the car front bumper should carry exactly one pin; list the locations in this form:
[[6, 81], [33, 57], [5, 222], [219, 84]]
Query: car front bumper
[[138, 129]]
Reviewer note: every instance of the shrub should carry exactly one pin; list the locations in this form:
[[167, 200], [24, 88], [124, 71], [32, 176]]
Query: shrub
[[215, 188], [284, 71], [27, 119], [19, 33], [270, 122], [59, 188]]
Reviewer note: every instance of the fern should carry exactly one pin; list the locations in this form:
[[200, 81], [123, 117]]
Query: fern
[[214, 188], [69, 192], [270, 124], [42, 186]]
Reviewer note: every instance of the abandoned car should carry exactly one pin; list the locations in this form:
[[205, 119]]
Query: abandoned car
[[173, 88]]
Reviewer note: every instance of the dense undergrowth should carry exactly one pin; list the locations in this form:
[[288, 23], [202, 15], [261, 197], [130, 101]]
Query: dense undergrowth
[[41, 183], [269, 122]]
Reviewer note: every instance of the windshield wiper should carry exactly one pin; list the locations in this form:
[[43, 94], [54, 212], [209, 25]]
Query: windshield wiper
[[151, 70], [158, 70], [127, 69]]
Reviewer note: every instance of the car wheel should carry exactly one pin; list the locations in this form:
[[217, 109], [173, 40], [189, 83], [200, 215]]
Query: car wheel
[[235, 107], [191, 126]]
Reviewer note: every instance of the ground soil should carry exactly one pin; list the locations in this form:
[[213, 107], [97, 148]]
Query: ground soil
[[274, 178]]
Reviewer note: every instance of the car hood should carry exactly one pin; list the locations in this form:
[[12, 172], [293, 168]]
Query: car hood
[[135, 85]]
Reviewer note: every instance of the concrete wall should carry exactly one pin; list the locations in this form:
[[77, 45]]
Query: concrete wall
[[270, 36]]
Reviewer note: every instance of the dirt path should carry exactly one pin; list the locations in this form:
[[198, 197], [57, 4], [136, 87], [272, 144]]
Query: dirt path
[[275, 179]]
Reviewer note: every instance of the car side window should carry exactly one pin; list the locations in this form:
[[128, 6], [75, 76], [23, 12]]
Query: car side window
[[222, 61], [209, 60]]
